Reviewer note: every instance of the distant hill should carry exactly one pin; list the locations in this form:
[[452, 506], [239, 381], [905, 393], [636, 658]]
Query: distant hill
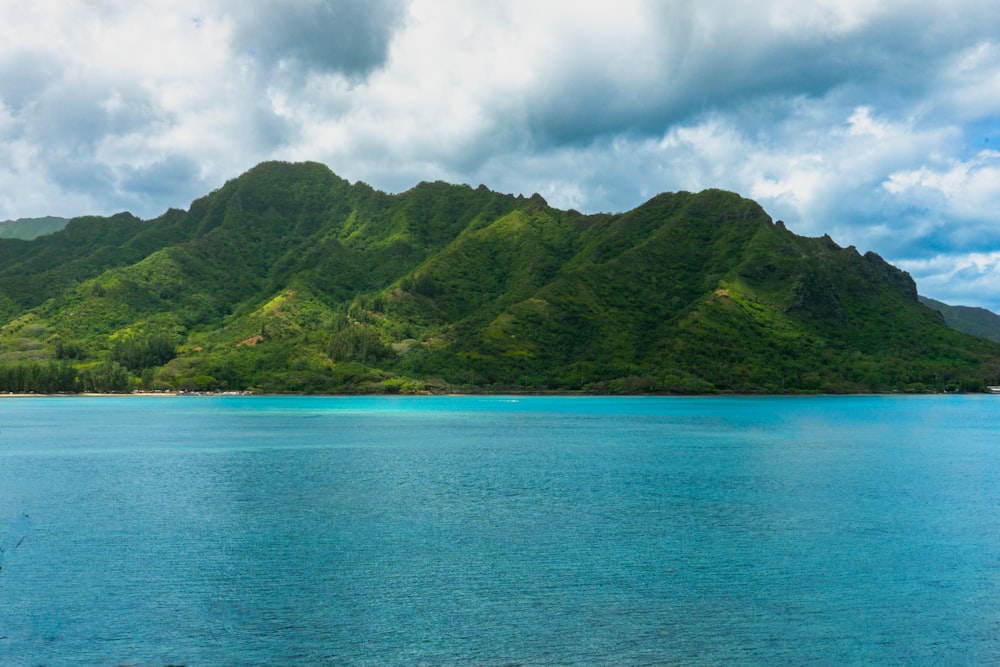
[[30, 228], [974, 321], [291, 279]]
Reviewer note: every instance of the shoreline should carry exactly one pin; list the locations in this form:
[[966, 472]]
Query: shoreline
[[248, 394], [121, 394]]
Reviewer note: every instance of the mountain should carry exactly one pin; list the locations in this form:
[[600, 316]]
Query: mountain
[[291, 279], [30, 228], [973, 321]]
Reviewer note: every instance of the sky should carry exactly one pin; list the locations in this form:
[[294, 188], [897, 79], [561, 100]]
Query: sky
[[876, 122]]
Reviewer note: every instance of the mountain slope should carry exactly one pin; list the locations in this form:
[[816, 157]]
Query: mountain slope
[[289, 278], [30, 228], [973, 321]]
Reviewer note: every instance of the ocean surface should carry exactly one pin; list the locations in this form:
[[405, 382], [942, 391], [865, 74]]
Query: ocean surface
[[216, 531]]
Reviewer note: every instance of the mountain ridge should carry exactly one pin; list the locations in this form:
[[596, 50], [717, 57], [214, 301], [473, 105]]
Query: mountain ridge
[[291, 279], [30, 228], [968, 319]]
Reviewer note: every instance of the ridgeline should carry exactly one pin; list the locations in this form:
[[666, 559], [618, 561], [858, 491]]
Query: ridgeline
[[291, 279]]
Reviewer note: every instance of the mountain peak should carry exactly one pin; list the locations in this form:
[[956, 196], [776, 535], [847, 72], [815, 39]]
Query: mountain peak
[[345, 288]]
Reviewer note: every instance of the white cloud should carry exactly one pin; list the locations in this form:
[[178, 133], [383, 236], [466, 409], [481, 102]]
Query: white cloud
[[967, 85], [868, 121], [822, 16], [971, 279], [958, 189]]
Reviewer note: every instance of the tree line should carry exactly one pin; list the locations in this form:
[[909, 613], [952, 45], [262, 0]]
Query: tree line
[[63, 377]]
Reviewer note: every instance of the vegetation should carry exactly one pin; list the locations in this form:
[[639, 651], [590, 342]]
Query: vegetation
[[30, 228], [290, 279], [974, 321]]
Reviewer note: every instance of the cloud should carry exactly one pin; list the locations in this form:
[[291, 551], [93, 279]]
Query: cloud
[[876, 123], [350, 37], [25, 74], [959, 279], [169, 178], [959, 189]]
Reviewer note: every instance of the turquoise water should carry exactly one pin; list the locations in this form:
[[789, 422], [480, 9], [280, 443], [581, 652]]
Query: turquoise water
[[207, 531]]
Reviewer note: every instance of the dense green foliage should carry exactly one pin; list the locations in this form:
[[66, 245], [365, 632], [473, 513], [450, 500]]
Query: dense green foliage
[[290, 279]]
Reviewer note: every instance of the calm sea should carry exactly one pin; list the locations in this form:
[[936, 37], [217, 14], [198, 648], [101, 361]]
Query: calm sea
[[221, 531]]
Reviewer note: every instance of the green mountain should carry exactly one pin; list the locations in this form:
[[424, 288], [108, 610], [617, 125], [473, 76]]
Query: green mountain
[[291, 279], [973, 321], [30, 228]]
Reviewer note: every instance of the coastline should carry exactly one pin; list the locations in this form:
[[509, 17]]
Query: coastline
[[131, 393], [32, 395], [991, 391]]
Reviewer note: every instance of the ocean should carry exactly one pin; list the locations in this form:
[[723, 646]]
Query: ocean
[[500, 530]]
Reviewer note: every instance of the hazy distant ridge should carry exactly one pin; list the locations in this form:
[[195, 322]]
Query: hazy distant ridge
[[30, 228], [975, 321]]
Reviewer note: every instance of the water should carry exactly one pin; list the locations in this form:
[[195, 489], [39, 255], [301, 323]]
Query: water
[[499, 531]]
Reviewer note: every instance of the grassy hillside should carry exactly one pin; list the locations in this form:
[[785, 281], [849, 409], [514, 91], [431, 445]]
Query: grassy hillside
[[290, 279]]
